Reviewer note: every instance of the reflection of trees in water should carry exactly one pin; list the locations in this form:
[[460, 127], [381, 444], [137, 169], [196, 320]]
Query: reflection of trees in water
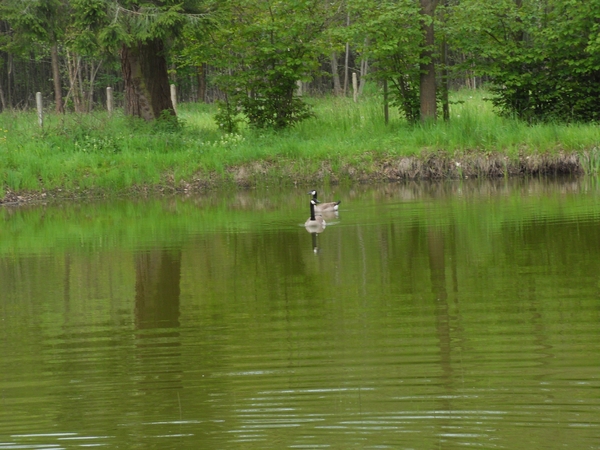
[[437, 271], [470, 188], [440, 241], [156, 311], [157, 291]]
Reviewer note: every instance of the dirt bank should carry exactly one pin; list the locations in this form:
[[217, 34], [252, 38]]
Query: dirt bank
[[369, 167]]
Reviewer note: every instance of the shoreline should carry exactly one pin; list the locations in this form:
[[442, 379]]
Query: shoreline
[[367, 168]]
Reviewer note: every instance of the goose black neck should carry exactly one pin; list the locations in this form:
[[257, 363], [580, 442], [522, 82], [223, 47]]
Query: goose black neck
[[312, 211]]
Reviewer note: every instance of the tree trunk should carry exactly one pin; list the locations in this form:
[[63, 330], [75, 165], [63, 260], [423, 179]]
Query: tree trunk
[[74, 67], [8, 77], [58, 101], [147, 89], [91, 81], [364, 68], [201, 74], [337, 87], [444, 80], [427, 87], [386, 104], [346, 59], [2, 99]]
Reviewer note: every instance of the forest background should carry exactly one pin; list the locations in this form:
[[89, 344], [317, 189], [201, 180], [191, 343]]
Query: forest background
[[267, 68]]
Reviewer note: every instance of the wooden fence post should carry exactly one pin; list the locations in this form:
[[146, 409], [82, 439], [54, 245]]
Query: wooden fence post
[[355, 86], [174, 97], [109, 100], [40, 109]]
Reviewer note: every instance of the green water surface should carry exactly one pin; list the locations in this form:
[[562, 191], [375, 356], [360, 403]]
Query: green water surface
[[425, 316]]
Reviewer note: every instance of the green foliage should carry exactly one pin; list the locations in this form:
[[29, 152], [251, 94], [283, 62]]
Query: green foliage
[[542, 56], [168, 122], [228, 118], [263, 49], [33, 25], [389, 32]]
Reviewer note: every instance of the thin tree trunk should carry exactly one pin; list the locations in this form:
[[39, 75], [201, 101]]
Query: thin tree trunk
[[2, 97], [58, 100], [92, 80], [201, 75], [444, 86], [81, 90], [73, 68], [337, 87], [427, 90], [346, 59], [9, 73], [386, 105], [364, 68], [147, 89]]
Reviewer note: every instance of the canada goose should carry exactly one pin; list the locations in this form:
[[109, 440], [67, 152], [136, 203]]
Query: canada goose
[[324, 207], [314, 223]]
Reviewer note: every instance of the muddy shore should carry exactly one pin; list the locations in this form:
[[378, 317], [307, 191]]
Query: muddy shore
[[366, 169]]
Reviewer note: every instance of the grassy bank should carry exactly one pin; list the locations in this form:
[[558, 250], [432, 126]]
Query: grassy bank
[[345, 141]]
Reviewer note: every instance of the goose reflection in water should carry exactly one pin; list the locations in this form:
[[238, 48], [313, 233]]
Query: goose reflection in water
[[315, 244]]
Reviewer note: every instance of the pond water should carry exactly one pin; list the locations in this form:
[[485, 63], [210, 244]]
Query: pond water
[[425, 316]]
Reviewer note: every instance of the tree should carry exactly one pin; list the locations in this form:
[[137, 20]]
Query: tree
[[542, 57], [263, 49], [388, 33], [141, 33], [40, 22], [427, 89], [143, 58]]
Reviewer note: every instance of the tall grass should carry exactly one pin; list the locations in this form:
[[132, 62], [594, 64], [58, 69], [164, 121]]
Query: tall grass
[[95, 151]]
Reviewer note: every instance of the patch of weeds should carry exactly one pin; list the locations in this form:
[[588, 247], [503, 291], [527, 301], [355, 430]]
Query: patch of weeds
[[228, 140], [168, 123], [228, 117], [93, 144], [590, 161]]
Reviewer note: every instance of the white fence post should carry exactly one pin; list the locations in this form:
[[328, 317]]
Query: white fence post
[[40, 108], [109, 100], [355, 86], [174, 97]]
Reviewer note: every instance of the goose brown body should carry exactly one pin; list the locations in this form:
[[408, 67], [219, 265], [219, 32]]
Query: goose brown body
[[324, 207]]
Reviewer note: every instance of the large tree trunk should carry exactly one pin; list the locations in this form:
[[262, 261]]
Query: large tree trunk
[[56, 79], [427, 86], [147, 91]]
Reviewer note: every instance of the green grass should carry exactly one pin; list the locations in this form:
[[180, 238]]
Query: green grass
[[116, 153]]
